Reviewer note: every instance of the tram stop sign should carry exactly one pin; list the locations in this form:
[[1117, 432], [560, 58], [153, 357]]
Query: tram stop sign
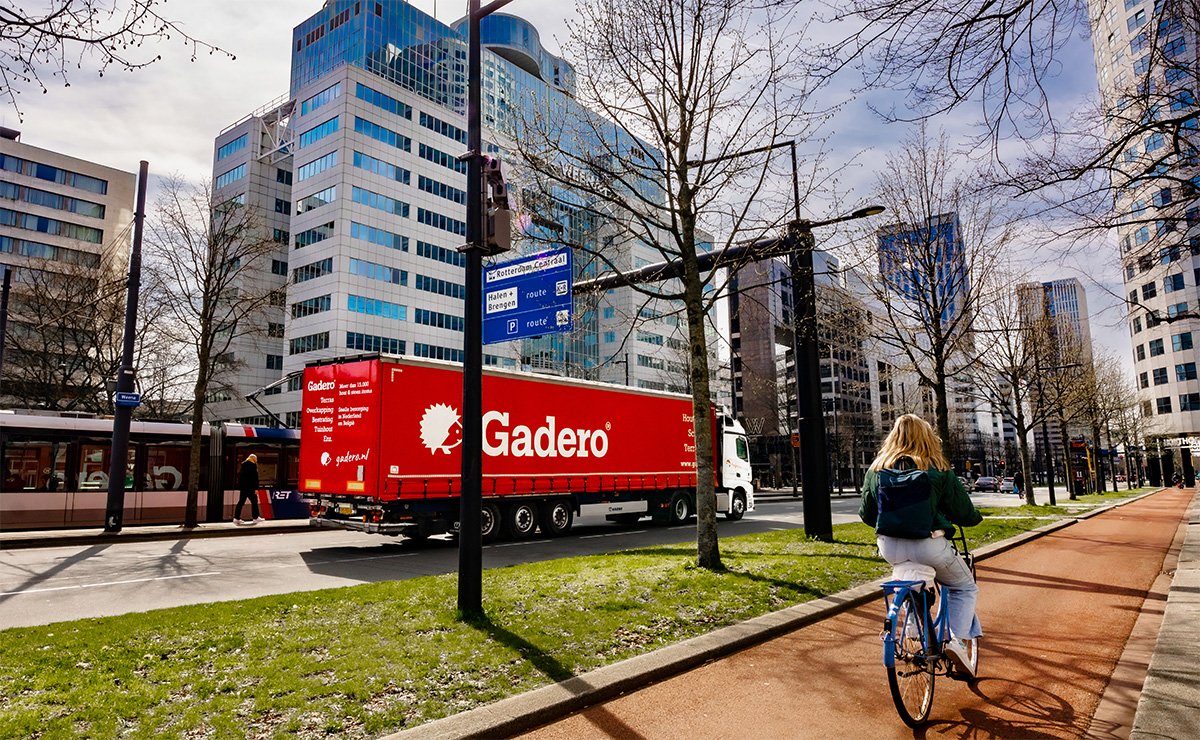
[[527, 297], [130, 400]]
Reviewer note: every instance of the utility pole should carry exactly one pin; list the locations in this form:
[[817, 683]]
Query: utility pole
[[115, 507]]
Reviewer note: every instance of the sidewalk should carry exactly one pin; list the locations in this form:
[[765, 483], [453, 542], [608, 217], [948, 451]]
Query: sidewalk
[[142, 533], [1062, 607]]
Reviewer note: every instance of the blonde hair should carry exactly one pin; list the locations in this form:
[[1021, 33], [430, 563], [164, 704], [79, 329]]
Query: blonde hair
[[911, 437]]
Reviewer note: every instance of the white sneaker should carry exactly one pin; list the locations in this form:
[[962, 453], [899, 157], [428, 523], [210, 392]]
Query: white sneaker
[[238, 521], [956, 651], [258, 519]]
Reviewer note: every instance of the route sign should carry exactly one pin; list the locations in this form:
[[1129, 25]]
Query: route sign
[[132, 400], [527, 297]]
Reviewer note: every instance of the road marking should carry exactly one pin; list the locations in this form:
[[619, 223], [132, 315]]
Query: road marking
[[109, 583], [522, 542], [612, 534]]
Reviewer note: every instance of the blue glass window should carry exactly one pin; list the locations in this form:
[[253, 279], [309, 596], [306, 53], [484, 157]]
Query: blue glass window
[[312, 270], [439, 157], [318, 132], [378, 236], [441, 287], [1185, 371], [373, 271], [1160, 375], [380, 167], [327, 95], [375, 307], [316, 200], [314, 235], [311, 306], [437, 220], [231, 176], [379, 133], [443, 128], [1182, 341], [389, 104], [441, 254], [371, 343], [440, 320], [380, 201], [442, 190], [232, 146], [305, 171], [310, 343], [435, 352]]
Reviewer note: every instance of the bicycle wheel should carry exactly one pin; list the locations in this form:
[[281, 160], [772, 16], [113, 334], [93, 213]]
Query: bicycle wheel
[[908, 677]]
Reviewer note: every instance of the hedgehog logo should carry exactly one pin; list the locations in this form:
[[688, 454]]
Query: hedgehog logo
[[326, 458], [441, 428]]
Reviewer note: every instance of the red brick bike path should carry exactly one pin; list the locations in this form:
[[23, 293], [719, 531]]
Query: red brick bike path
[[1056, 612]]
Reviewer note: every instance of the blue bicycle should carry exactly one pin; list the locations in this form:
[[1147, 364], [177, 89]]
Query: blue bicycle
[[915, 636]]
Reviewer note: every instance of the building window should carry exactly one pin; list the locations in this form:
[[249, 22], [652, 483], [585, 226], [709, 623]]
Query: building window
[[325, 96], [379, 133], [442, 190], [1163, 405], [311, 306], [1185, 371], [231, 176], [441, 254], [279, 267], [310, 343], [1159, 374], [382, 168], [371, 343], [1137, 324], [439, 320], [318, 132], [1189, 402], [316, 200], [314, 270], [375, 307], [317, 166], [314, 235], [282, 176], [437, 353], [1156, 347], [1181, 341], [378, 99], [51, 226], [437, 220], [1177, 309], [1172, 283], [373, 271], [1149, 290], [1143, 380], [441, 158], [1140, 352], [233, 146], [274, 330], [378, 236], [281, 236], [379, 201], [443, 128], [274, 362], [283, 206], [440, 287]]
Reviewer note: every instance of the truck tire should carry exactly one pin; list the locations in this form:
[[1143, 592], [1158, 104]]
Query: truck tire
[[681, 508], [557, 517], [737, 507], [489, 522], [520, 520]]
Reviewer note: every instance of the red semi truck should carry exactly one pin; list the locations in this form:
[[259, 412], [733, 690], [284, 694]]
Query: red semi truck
[[380, 451]]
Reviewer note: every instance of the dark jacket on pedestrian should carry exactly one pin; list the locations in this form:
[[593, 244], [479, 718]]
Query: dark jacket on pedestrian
[[248, 478], [1019, 481], [951, 504]]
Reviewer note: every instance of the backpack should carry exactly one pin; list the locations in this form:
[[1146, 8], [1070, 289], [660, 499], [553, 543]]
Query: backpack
[[905, 502]]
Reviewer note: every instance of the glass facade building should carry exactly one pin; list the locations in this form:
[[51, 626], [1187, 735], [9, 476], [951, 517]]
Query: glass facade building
[[375, 126]]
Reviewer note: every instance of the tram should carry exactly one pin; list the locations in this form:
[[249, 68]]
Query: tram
[[55, 471]]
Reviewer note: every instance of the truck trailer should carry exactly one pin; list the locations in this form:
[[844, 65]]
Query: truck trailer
[[381, 445]]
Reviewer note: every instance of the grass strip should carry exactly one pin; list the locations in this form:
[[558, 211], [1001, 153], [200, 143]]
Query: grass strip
[[365, 660]]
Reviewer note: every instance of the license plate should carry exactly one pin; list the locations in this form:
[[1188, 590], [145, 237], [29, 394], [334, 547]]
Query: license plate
[[346, 509]]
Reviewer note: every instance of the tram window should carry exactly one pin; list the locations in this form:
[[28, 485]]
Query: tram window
[[35, 466], [291, 476], [93, 468], [167, 467]]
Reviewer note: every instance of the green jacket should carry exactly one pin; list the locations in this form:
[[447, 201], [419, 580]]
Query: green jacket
[[951, 504]]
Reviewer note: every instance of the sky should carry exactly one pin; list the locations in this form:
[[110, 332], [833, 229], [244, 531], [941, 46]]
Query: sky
[[170, 112]]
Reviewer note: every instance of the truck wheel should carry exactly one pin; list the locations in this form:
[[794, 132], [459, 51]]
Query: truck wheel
[[489, 522], [681, 508], [521, 520], [557, 517], [737, 507]]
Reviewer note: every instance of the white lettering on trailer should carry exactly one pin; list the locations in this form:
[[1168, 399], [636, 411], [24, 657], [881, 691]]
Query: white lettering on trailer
[[320, 385], [544, 441]]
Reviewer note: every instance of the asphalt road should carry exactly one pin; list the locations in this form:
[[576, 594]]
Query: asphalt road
[[1056, 612], [45, 585]]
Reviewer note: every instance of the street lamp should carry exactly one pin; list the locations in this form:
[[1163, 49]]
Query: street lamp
[[818, 519]]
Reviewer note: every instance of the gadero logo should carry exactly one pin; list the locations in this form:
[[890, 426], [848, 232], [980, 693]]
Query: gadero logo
[[326, 458], [441, 431]]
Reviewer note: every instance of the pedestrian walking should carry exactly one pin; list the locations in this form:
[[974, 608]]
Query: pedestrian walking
[[1018, 483], [248, 489]]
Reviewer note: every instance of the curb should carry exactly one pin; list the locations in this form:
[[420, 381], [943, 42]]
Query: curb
[[516, 714], [39, 538]]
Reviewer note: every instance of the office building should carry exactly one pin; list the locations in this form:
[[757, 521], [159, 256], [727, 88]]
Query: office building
[[361, 162], [65, 231], [1146, 62]]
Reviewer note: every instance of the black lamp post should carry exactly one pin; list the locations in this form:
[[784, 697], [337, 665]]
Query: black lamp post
[[470, 538]]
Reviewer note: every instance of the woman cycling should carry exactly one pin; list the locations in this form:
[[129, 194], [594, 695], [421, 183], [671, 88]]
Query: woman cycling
[[913, 445]]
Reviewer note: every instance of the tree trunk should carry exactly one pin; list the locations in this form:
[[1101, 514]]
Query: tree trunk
[[1066, 443], [199, 391]]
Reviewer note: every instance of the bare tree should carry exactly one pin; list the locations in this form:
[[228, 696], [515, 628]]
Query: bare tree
[[934, 268], [207, 259], [35, 44], [694, 85], [65, 330]]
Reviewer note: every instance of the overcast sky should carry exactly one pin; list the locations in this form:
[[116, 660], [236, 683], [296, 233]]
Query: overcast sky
[[170, 112]]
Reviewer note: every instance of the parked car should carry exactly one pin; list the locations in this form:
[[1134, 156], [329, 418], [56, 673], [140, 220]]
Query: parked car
[[986, 483], [1006, 484]]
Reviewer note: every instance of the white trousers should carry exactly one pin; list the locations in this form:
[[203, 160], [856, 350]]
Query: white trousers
[[952, 572]]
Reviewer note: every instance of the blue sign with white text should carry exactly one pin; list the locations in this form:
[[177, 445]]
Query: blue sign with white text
[[527, 297], [131, 400]]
